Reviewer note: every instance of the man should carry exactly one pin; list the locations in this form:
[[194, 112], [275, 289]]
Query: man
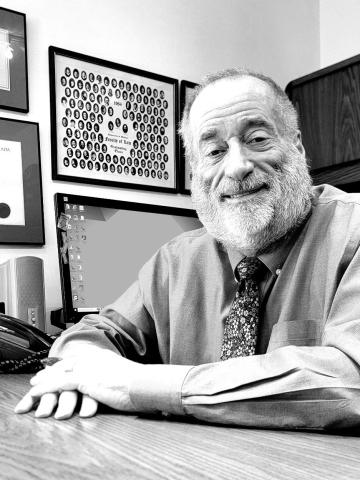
[[253, 320]]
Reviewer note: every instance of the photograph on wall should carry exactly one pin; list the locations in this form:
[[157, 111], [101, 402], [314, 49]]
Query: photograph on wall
[[112, 124], [21, 208], [186, 90], [13, 61]]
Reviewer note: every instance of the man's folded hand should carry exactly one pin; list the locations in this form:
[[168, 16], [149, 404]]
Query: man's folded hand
[[102, 377]]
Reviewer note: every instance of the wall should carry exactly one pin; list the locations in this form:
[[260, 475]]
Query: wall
[[339, 30], [180, 38]]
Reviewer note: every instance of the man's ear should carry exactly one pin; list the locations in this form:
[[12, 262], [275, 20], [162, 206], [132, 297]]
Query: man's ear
[[298, 143]]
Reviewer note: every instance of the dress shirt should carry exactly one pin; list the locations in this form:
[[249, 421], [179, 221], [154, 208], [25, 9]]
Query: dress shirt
[[306, 371]]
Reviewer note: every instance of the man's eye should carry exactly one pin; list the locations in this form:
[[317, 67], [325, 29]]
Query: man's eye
[[257, 140], [215, 152]]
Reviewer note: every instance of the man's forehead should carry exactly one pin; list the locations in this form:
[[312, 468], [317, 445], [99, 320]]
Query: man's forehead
[[229, 91]]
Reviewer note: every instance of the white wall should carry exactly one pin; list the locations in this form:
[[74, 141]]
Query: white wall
[[339, 30], [179, 38]]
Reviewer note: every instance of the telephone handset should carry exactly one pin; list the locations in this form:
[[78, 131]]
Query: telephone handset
[[22, 346]]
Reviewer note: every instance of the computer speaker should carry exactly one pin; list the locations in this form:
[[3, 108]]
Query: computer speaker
[[22, 290]]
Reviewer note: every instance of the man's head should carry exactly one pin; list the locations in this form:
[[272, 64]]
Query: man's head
[[250, 183]]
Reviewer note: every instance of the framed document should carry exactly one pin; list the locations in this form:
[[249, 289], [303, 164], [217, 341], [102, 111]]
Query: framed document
[[13, 61], [186, 89], [21, 207], [112, 124]]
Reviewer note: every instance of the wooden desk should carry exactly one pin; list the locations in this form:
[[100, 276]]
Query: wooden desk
[[114, 446]]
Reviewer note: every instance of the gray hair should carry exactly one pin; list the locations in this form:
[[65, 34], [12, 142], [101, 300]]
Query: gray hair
[[286, 112]]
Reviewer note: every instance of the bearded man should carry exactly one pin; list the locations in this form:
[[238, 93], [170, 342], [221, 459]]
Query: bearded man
[[251, 321]]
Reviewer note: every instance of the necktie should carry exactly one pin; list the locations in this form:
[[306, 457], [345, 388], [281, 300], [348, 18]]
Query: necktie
[[241, 325]]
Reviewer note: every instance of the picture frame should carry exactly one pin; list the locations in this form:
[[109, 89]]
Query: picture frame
[[13, 61], [21, 203], [112, 124], [186, 89]]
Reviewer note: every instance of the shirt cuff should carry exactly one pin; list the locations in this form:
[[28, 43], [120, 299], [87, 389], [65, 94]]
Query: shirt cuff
[[155, 388]]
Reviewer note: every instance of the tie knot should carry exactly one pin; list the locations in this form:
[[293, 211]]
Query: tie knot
[[248, 268]]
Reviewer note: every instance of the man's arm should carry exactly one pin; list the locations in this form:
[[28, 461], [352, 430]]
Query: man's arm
[[95, 359], [135, 338], [291, 387]]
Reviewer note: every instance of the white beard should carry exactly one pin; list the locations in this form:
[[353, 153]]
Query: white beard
[[254, 225]]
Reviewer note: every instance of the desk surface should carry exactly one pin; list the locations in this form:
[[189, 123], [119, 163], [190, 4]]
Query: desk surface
[[114, 446]]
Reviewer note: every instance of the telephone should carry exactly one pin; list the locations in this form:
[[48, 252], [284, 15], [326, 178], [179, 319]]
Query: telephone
[[22, 346]]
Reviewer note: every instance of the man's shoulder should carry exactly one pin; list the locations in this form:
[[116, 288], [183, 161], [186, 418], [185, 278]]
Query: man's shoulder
[[337, 212], [186, 252], [195, 239], [330, 195], [193, 246]]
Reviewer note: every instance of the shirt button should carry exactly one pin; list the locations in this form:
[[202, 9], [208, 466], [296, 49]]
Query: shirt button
[[278, 271]]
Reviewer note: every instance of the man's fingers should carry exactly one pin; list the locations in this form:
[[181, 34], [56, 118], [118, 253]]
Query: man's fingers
[[66, 405], [89, 407], [26, 404], [47, 405]]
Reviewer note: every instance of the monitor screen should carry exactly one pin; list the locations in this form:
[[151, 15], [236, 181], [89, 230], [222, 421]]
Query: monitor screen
[[103, 244]]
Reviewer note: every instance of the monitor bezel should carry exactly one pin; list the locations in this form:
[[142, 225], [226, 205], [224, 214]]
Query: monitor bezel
[[69, 315]]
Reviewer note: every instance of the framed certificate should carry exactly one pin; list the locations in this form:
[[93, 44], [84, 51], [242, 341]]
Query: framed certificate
[[112, 124], [21, 207], [13, 61], [186, 89]]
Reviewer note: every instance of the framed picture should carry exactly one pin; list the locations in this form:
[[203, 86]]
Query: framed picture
[[186, 88], [21, 206], [13, 61], [112, 124]]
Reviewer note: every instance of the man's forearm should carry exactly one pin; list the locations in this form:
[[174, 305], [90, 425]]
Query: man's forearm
[[293, 387]]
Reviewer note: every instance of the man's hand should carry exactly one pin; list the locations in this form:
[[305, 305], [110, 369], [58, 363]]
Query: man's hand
[[101, 376]]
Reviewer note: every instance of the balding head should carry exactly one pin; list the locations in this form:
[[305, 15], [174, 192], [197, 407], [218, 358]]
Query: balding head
[[283, 110]]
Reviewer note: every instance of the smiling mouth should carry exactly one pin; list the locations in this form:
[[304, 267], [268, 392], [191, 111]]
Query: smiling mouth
[[245, 193]]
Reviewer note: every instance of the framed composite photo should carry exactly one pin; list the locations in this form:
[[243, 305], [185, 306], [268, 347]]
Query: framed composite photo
[[112, 124], [21, 205], [186, 89], [13, 61]]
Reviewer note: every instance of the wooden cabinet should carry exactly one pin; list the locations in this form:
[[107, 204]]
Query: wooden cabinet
[[328, 102]]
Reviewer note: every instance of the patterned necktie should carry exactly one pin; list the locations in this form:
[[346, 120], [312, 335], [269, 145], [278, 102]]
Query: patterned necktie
[[241, 325]]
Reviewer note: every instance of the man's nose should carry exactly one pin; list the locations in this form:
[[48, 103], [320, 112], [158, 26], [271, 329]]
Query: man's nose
[[237, 162]]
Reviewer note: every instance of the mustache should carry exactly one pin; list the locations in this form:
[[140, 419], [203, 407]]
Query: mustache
[[254, 180], [233, 187]]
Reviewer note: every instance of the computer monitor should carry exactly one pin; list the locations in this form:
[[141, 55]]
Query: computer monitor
[[103, 243]]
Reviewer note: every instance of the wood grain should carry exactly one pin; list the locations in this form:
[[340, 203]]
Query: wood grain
[[344, 174], [115, 446], [328, 103]]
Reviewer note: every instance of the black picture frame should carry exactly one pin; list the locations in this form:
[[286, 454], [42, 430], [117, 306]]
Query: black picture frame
[[13, 61], [21, 204], [186, 88], [111, 124]]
